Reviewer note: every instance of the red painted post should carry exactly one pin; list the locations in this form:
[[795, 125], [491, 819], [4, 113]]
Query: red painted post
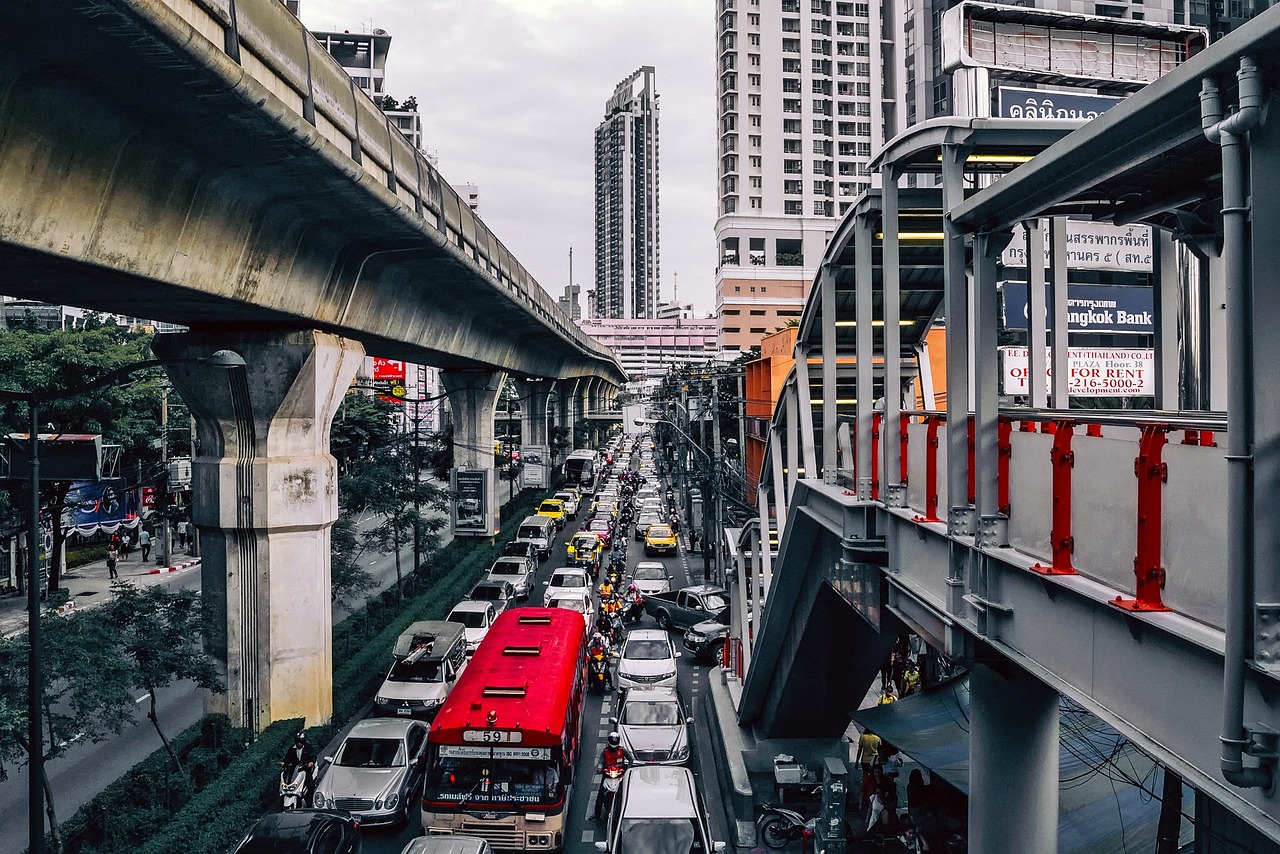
[[1152, 473], [1005, 454], [877, 418], [1063, 459], [1093, 430], [972, 474], [931, 470]]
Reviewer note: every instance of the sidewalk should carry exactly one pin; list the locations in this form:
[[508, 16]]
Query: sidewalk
[[90, 586]]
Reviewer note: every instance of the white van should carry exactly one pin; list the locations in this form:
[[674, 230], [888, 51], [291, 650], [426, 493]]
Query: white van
[[540, 531]]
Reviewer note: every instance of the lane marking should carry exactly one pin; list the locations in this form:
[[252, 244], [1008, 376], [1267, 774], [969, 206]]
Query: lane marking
[[588, 836]]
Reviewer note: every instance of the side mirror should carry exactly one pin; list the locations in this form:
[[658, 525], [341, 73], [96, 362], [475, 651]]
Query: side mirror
[[602, 846], [678, 654], [717, 846], [689, 720], [613, 720], [326, 759]]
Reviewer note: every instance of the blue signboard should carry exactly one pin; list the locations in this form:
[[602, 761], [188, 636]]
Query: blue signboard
[[1090, 308], [1014, 102]]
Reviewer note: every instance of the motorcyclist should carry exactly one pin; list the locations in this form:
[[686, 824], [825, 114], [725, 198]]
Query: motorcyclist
[[599, 647], [612, 756], [300, 754]]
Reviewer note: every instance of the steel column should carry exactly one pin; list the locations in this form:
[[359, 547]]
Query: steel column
[[793, 436], [1036, 343], [1062, 460], [779, 484], [1152, 473], [1168, 298], [956, 306], [827, 282], [1060, 370], [808, 438], [766, 557], [864, 345], [891, 286], [986, 354]]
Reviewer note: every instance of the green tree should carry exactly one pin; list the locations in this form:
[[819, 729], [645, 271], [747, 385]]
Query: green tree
[[347, 579], [158, 634], [125, 415], [87, 694]]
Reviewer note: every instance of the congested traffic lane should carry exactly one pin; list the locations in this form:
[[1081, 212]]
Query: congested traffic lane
[[692, 681]]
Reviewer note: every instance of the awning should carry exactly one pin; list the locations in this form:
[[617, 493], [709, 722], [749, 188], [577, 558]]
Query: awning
[[1107, 788]]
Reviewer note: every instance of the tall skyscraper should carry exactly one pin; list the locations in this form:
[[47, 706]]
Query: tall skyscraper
[[808, 90], [627, 202]]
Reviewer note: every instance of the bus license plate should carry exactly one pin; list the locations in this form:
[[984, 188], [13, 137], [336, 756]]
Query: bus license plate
[[493, 736]]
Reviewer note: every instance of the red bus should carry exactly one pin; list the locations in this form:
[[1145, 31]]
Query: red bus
[[502, 747]]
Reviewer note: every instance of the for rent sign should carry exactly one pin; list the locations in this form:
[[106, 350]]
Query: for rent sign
[[1095, 372]]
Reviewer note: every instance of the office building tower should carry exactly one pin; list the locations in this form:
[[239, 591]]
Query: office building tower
[[626, 160]]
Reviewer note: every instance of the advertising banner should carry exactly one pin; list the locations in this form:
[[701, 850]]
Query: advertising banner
[[1015, 102], [536, 473], [100, 505], [1095, 372], [1090, 308], [1091, 246], [473, 514], [389, 379]]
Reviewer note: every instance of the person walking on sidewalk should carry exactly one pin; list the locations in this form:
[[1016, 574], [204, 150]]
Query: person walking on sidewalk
[[144, 543], [112, 557], [126, 542], [693, 540]]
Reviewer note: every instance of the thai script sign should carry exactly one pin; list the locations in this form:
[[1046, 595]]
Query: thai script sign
[[1095, 372], [1090, 308], [1091, 246], [1015, 102]]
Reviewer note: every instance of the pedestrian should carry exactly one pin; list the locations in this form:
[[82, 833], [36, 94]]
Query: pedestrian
[[125, 542], [144, 543], [693, 540], [112, 556], [182, 534]]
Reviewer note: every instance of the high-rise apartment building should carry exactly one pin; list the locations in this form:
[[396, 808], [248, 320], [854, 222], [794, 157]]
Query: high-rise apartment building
[[626, 159], [808, 91]]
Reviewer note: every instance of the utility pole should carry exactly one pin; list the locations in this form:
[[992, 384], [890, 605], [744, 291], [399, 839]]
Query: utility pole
[[716, 461], [164, 554]]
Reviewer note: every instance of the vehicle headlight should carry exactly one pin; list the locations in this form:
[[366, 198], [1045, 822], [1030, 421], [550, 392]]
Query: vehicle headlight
[[681, 752], [381, 701], [393, 800], [318, 801], [670, 675]]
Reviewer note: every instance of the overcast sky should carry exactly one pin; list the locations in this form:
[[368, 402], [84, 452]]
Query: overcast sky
[[510, 93]]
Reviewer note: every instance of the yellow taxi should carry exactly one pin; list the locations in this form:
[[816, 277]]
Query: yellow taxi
[[553, 509], [659, 539], [584, 544]]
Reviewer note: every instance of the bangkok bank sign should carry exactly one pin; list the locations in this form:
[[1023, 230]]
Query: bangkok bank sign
[[1094, 372]]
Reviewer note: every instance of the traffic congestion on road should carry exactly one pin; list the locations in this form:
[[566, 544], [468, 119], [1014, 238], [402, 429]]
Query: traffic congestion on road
[[541, 737]]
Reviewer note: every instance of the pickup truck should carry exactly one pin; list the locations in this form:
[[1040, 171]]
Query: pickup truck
[[706, 639], [688, 607]]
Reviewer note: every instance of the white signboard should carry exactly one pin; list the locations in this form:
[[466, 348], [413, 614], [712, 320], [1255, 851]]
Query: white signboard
[[1095, 372], [466, 751], [536, 462], [1091, 246]]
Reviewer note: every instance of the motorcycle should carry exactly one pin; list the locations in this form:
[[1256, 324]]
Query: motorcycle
[[777, 826], [598, 670], [634, 610], [612, 780], [293, 794]]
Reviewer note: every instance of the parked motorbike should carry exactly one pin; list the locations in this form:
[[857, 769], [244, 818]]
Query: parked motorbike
[[293, 786], [777, 826], [612, 780]]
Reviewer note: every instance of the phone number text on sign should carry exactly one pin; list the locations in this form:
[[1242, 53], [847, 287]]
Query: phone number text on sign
[[1095, 372]]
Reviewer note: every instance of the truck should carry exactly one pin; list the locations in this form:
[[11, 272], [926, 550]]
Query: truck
[[688, 606], [430, 655], [706, 640]]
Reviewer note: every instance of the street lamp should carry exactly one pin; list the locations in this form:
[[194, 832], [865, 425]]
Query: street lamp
[[35, 737]]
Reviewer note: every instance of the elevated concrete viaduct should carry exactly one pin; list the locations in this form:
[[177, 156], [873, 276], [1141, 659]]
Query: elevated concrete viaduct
[[207, 163]]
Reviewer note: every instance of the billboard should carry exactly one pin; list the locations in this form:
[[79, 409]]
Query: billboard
[[474, 513], [389, 378], [536, 473], [100, 505], [1015, 102], [1091, 246], [1095, 371], [1090, 308]]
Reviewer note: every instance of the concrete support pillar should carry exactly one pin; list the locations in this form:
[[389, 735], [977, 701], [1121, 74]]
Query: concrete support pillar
[[535, 395], [266, 496], [473, 397], [1013, 763]]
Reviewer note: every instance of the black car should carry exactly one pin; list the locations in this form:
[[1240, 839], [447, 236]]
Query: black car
[[501, 593], [522, 548], [303, 832]]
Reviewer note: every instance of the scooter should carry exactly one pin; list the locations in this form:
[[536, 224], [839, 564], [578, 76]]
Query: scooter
[[777, 826], [293, 794], [612, 780], [598, 671], [634, 611]]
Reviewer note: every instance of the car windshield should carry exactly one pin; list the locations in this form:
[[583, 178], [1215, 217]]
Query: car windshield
[[585, 542], [417, 671], [493, 781], [640, 649], [651, 714], [550, 507], [573, 603], [371, 753], [514, 548], [508, 568], [650, 573], [715, 602], [564, 579], [599, 525], [659, 531], [531, 532], [657, 836], [487, 592], [470, 619]]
